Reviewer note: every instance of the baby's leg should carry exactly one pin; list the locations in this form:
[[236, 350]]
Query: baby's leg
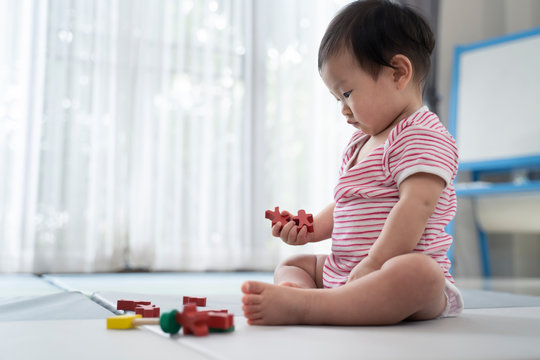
[[303, 271], [409, 286]]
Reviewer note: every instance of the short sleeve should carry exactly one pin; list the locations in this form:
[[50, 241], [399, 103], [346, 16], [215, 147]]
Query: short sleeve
[[421, 149]]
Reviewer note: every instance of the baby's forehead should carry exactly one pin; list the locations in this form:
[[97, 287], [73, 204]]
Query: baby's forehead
[[339, 68], [343, 57]]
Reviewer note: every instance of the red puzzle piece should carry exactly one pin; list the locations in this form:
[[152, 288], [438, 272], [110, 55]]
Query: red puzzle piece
[[304, 219], [193, 321], [147, 311], [275, 216], [199, 301], [129, 305]]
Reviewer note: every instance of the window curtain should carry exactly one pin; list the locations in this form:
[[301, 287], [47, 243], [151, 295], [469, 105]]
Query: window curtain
[[154, 135]]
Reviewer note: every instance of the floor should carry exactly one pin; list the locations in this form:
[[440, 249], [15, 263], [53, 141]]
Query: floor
[[63, 317]]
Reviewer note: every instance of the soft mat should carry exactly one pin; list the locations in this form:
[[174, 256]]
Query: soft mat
[[493, 325]]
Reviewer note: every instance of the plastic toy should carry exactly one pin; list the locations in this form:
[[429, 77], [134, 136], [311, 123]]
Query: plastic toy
[[275, 216], [147, 311], [194, 322], [220, 322], [198, 323], [199, 301], [129, 305], [304, 219], [167, 322]]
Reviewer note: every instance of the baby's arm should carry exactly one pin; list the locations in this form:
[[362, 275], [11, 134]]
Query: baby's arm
[[323, 224], [418, 197]]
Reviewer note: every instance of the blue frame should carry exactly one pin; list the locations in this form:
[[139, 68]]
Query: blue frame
[[508, 163], [471, 189]]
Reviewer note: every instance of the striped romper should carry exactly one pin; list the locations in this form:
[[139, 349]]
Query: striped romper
[[366, 192]]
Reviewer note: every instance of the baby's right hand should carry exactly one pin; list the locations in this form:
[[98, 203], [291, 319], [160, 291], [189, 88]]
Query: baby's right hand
[[289, 233]]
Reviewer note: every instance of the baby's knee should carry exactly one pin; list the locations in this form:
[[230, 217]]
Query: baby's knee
[[414, 266], [301, 261]]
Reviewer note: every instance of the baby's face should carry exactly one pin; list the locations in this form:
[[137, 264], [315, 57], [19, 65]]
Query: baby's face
[[368, 104]]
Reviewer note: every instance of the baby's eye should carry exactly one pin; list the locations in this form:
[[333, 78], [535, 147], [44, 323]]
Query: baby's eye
[[347, 94]]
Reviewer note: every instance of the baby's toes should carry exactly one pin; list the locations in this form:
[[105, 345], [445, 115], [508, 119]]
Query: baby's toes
[[252, 311], [253, 287], [251, 299]]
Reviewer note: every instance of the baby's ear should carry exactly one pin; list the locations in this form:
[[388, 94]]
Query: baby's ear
[[403, 70]]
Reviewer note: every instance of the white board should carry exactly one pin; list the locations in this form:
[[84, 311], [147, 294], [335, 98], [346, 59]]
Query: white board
[[495, 112]]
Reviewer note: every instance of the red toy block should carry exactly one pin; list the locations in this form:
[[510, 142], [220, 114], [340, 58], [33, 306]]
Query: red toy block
[[193, 321], [199, 301], [275, 216], [220, 320], [129, 305], [304, 219], [147, 311], [216, 311]]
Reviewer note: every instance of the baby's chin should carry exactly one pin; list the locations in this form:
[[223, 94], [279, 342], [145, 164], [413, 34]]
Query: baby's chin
[[358, 127]]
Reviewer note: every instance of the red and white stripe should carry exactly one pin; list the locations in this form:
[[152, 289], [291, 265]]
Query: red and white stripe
[[366, 192]]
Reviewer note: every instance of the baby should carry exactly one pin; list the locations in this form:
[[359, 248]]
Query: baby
[[394, 195]]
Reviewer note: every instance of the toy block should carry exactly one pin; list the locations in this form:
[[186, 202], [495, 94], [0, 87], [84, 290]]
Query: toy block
[[275, 216], [193, 321], [199, 301], [129, 305], [304, 219], [147, 311], [216, 311], [216, 330], [218, 321]]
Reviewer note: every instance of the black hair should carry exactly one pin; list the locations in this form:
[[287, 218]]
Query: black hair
[[376, 30]]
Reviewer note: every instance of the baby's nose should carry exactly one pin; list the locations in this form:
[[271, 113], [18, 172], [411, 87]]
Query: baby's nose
[[345, 109]]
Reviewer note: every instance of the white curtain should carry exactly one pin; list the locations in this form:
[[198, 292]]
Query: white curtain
[[154, 134]]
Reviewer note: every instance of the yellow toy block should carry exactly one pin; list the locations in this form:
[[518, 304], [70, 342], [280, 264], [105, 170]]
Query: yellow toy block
[[122, 321]]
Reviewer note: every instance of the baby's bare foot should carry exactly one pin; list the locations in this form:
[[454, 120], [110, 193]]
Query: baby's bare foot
[[268, 304]]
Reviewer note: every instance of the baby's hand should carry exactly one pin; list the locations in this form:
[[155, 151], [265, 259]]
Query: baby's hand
[[289, 232]]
